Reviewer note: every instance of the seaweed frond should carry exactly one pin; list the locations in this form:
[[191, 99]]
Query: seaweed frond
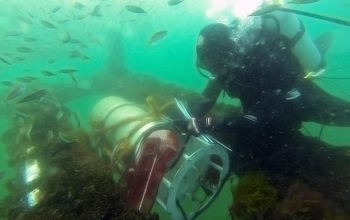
[[253, 197]]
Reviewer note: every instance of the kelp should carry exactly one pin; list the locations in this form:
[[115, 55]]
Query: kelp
[[327, 170], [303, 202], [313, 186], [253, 196], [72, 182]]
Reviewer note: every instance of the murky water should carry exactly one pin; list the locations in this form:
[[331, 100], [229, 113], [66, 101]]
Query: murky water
[[83, 50]]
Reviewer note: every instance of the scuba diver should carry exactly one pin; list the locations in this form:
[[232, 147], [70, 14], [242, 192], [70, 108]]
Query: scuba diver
[[265, 62]]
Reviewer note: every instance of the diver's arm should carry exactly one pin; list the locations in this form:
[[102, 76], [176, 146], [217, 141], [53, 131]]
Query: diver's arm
[[274, 111], [208, 99], [228, 125], [274, 116]]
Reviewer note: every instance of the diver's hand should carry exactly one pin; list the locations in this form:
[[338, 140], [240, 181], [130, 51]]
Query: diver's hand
[[199, 125], [194, 126]]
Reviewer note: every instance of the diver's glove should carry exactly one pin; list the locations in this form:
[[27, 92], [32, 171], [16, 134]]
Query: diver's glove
[[194, 126], [200, 125], [197, 126], [223, 125]]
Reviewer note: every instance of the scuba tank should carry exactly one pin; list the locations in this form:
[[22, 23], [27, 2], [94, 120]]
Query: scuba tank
[[302, 46]]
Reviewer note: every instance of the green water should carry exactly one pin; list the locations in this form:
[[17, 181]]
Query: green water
[[117, 38]]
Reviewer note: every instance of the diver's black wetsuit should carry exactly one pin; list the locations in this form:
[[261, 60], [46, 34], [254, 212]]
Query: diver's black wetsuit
[[276, 99], [266, 84]]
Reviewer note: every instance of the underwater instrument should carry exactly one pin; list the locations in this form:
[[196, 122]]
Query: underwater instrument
[[156, 162], [276, 7], [318, 16], [32, 174]]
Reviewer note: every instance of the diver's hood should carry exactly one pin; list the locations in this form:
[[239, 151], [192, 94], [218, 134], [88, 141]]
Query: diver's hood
[[219, 45]]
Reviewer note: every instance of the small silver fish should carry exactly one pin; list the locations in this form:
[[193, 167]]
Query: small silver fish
[[75, 115], [78, 5], [23, 80], [25, 19], [30, 77], [69, 114], [174, 2], [51, 100], [7, 83], [65, 37], [51, 60], [14, 33], [30, 14], [48, 24], [15, 92], [26, 130], [83, 45], [94, 40], [74, 41], [56, 9], [26, 79], [5, 60], [73, 77], [20, 58], [34, 96], [80, 16], [157, 36], [59, 114], [135, 9], [24, 50], [65, 138], [47, 73], [84, 57], [76, 54], [96, 11], [22, 113], [29, 39], [68, 71]]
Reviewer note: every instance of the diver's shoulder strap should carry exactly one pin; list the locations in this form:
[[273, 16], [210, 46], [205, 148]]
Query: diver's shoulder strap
[[272, 24], [298, 35]]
